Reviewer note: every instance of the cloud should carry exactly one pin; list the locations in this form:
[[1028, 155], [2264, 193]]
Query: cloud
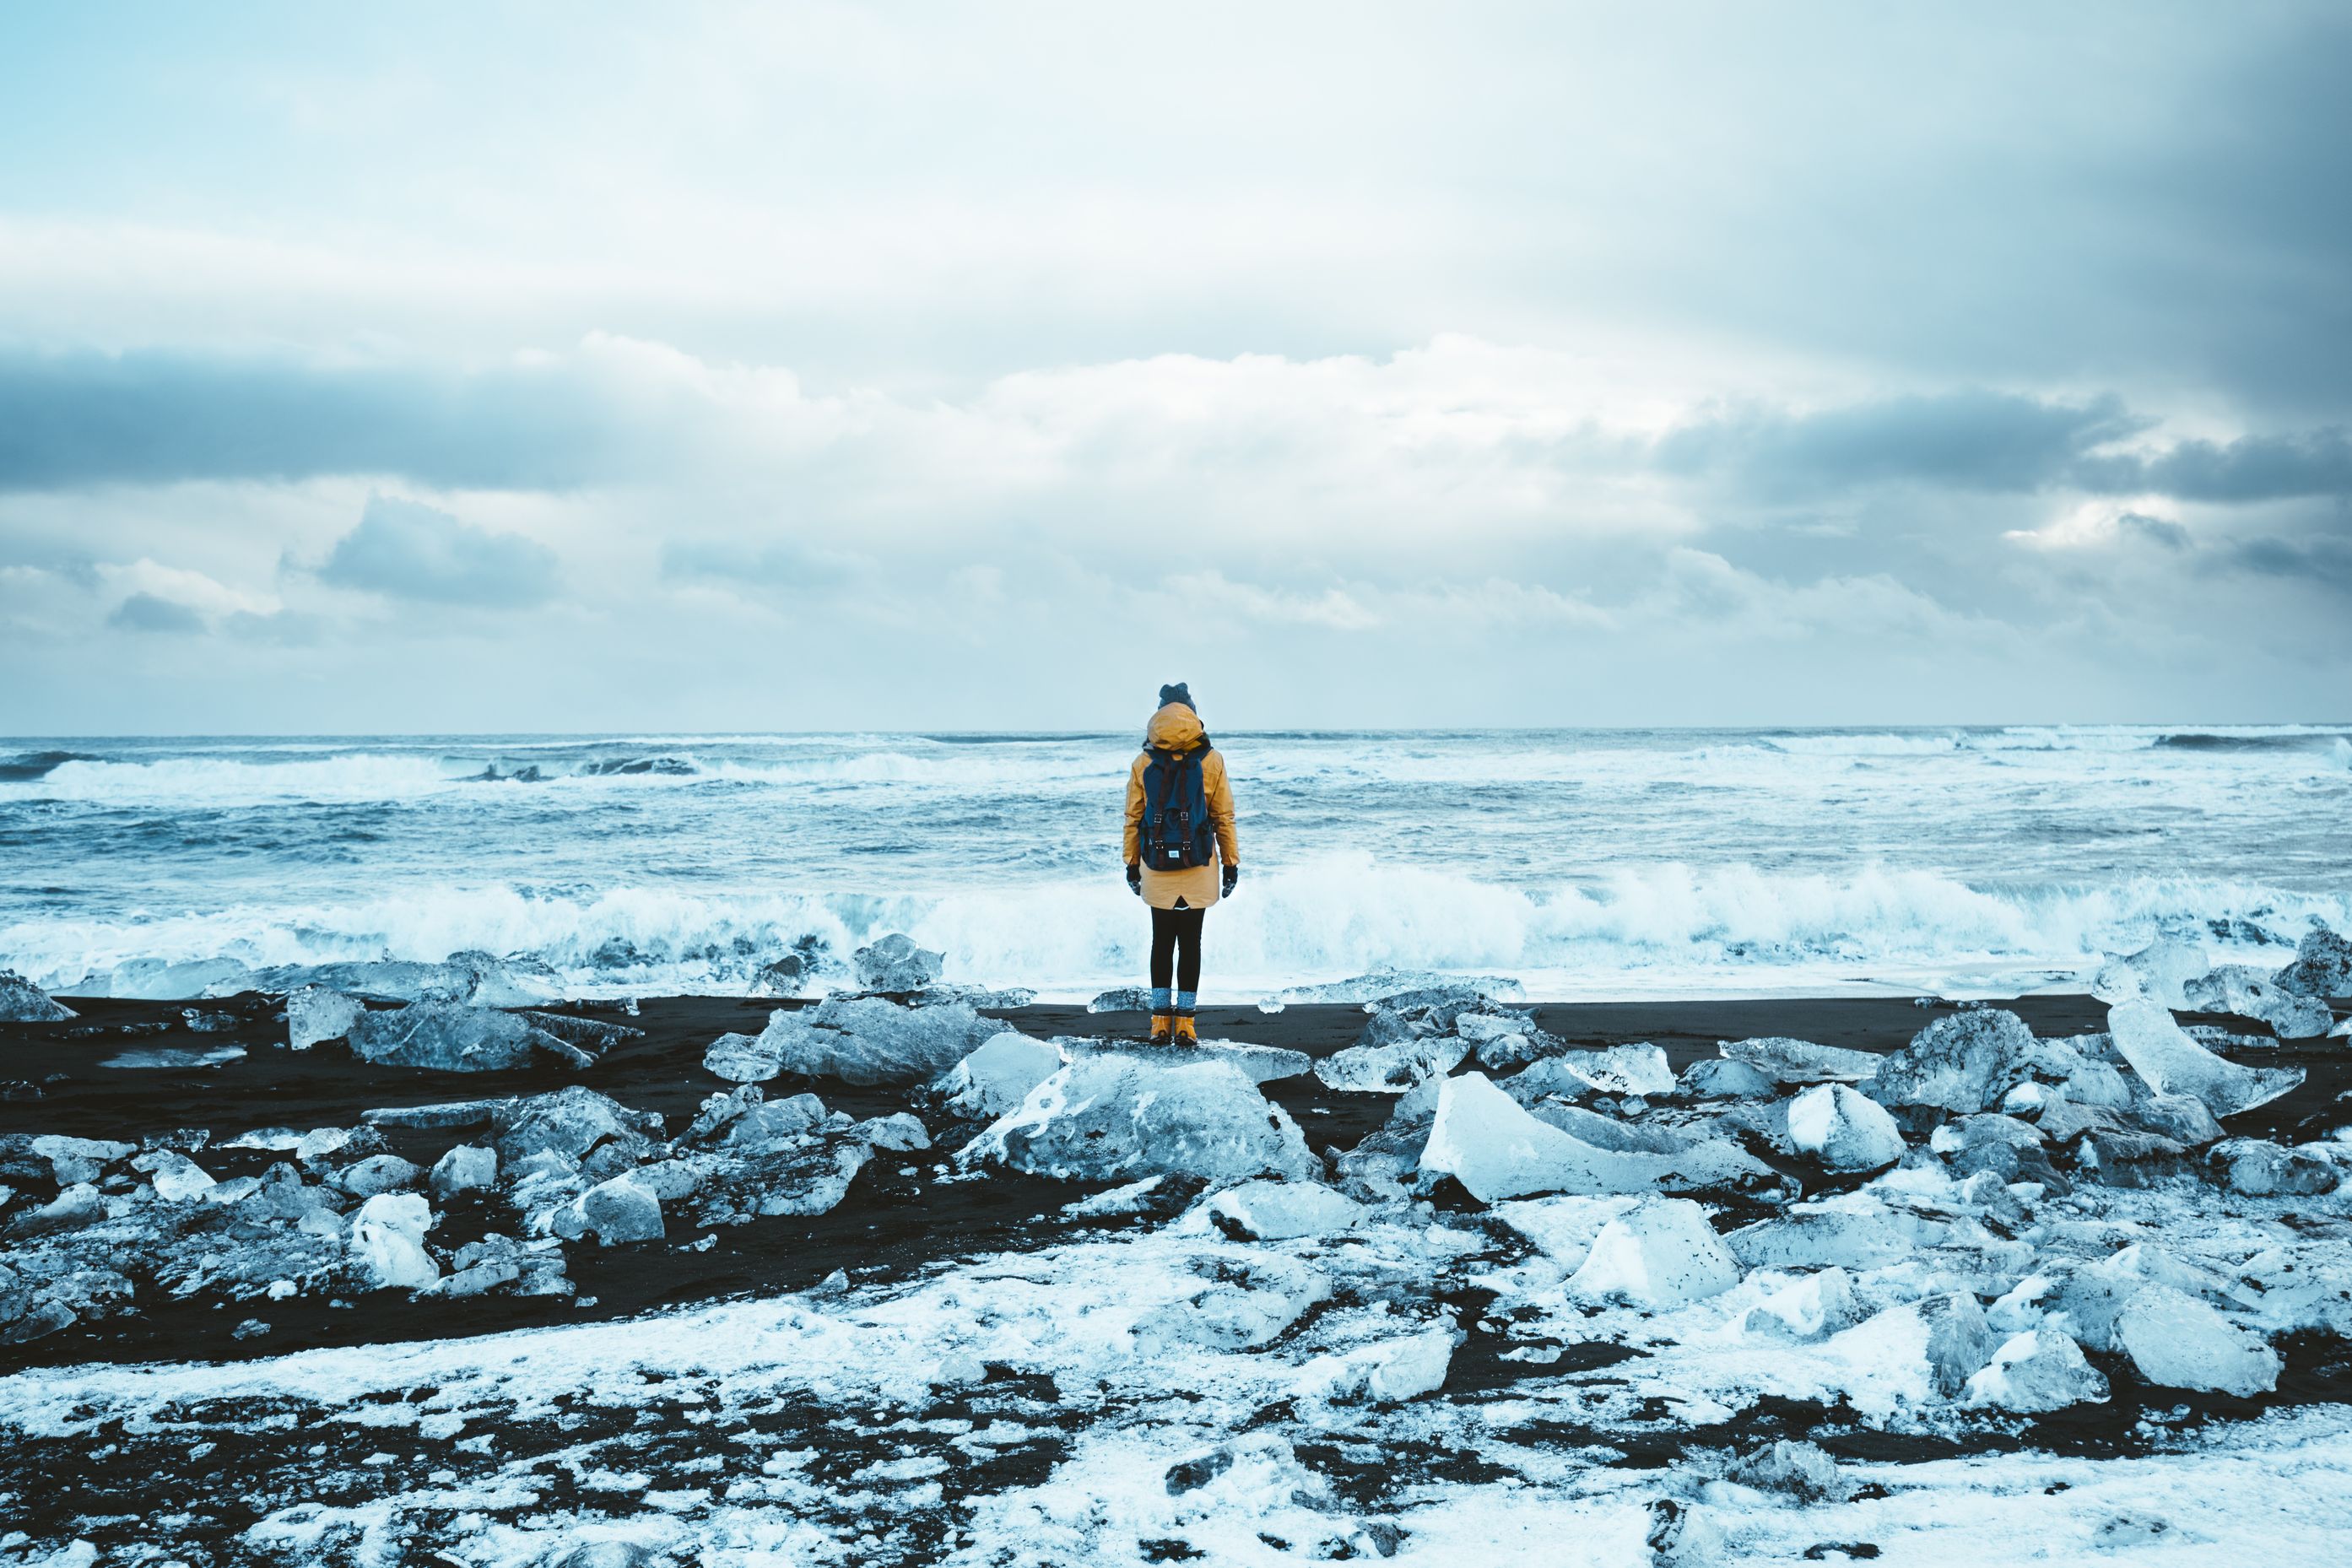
[[405, 550], [2161, 532], [2251, 468], [763, 566], [1965, 441], [2323, 561], [2101, 524], [150, 613]]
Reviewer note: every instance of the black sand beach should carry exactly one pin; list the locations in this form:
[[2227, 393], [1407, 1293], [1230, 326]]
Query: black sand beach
[[901, 1215], [337, 1480]]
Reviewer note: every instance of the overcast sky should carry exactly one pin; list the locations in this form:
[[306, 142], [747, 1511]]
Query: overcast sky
[[560, 367]]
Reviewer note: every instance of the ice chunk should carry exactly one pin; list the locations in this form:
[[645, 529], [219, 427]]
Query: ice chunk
[[2322, 966], [1785, 1060], [806, 1175], [388, 1242], [1962, 1061], [448, 1036], [2159, 971], [1407, 987], [2038, 1370], [314, 1014], [1246, 1306], [1607, 1132], [2262, 1168], [1563, 1227], [448, 1113], [1960, 1341], [1122, 999], [22, 1002], [1383, 1373], [377, 1174], [2178, 1341], [571, 1121], [1661, 1253], [2251, 993], [594, 1035], [496, 1262], [1820, 1303], [743, 1119], [464, 1169], [900, 1131], [74, 1207], [2179, 1117], [1109, 1115], [786, 976], [177, 1178], [472, 978], [1483, 1139], [1815, 1239], [1391, 1067], [1845, 1130], [1617, 1070], [1279, 1211], [173, 1058], [1259, 1064], [860, 1040], [621, 1210], [1133, 1197], [152, 979], [1968, 1132], [1721, 1080], [1799, 1470], [740, 1059], [2172, 1063], [997, 1077], [2126, 1159], [895, 963], [73, 1160]]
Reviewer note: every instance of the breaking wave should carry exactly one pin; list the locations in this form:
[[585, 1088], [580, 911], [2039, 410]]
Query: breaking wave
[[1648, 930]]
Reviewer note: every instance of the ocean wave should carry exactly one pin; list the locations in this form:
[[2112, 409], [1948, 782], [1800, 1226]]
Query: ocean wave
[[25, 766], [1666, 926], [2052, 738]]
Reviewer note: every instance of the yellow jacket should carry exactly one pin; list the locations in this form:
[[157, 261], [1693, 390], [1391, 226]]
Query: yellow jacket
[[1177, 728]]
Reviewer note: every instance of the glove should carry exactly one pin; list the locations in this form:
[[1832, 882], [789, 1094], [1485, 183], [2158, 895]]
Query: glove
[[1233, 875], [1135, 878]]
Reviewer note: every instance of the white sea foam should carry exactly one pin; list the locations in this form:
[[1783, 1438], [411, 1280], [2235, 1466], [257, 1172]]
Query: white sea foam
[[1638, 930]]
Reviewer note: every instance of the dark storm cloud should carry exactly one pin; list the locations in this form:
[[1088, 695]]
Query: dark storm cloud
[[406, 550], [1976, 441], [2156, 530], [150, 613], [2255, 468], [1961, 440], [2325, 560], [73, 420]]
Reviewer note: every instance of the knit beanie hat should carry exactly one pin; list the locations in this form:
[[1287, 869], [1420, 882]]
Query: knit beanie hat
[[1176, 693]]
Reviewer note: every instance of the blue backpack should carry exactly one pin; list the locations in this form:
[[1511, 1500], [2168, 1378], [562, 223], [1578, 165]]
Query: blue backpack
[[1176, 830]]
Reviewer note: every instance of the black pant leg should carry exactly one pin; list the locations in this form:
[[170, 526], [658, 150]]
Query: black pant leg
[[1188, 952], [1164, 925]]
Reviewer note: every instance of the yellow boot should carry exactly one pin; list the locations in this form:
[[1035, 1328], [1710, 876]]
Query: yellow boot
[[1184, 1031], [1160, 1028]]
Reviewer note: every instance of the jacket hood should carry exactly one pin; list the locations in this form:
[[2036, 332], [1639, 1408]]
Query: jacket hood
[[1175, 728]]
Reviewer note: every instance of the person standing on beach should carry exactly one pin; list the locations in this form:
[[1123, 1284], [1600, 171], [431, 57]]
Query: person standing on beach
[[1179, 831]]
